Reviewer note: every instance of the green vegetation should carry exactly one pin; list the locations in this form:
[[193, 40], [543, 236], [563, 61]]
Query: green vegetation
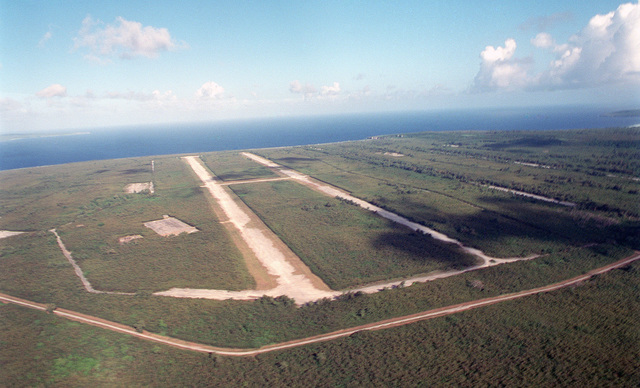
[[581, 335], [567, 337]]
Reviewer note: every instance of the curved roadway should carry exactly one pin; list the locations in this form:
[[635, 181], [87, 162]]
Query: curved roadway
[[388, 323]]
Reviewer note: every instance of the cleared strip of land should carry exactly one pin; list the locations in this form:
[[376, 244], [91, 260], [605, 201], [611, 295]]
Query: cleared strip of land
[[393, 322], [254, 181], [293, 278]]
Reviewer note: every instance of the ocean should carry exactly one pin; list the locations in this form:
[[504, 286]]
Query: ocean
[[119, 142]]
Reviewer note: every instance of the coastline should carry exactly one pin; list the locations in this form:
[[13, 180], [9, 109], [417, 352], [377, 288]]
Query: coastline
[[189, 138]]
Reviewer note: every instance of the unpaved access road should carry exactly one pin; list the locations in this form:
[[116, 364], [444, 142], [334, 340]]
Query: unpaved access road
[[393, 322]]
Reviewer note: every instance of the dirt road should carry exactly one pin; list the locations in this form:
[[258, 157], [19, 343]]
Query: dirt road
[[393, 322]]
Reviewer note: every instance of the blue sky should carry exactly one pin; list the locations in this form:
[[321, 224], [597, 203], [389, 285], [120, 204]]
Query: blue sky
[[84, 64]]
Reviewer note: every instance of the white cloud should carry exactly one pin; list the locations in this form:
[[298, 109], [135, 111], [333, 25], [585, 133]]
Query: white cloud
[[360, 94], [331, 90], [543, 40], [494, 54], [499, 70], [309, 91], [127, 39], [55, 90], [606, 51], [210, 90]]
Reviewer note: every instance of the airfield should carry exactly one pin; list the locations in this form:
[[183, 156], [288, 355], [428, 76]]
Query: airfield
[[259, 251]]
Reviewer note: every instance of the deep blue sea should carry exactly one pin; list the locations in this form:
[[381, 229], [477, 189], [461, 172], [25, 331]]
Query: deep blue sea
[[120, 142]]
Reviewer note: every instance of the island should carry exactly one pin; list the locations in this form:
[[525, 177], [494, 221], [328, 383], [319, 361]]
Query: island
[[438, 258]]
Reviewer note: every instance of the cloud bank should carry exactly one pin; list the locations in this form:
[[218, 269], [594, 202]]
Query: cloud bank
[[126, 39], [606, 51]]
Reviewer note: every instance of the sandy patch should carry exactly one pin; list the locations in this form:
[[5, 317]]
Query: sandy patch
[[169, 226], [8, 233], [133, 188], [394, 154], [126, 239]]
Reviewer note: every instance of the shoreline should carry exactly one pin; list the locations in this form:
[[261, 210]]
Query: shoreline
[[232, 135]]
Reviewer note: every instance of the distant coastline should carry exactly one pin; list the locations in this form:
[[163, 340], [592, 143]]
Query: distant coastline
[[33, 150], [22, 136], [624, 113]]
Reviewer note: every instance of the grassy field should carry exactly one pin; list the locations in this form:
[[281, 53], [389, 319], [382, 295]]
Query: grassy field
[[433, 178]]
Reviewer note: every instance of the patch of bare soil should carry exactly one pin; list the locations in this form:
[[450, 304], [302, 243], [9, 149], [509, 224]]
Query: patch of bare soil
[[169, 226], [139, 188], [127, 239], [8, 233]]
